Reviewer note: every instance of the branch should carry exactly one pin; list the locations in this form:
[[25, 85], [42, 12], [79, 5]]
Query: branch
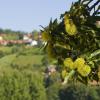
[[68, 76], [95, 53]]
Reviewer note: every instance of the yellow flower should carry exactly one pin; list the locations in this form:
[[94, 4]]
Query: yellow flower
[[68, 63], [70, 26], [85, 70], [45, 36], [79, 62]]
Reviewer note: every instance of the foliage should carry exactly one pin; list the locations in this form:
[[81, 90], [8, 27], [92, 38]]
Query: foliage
[[35, 35], [75, 41], [19, 57], [21, 85], [53, 91], [79, 92], [72, 91], [25, 82], [23, 61], [53, 86], [9, 31], [6, 50], [21, 75], [11, 37]]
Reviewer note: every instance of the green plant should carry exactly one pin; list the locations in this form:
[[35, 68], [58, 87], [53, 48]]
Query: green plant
[[21, 85], [79, 91], [75, 41]]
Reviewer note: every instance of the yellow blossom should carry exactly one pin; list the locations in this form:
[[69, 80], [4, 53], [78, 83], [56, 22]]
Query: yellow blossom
[[79, 62], [70, 26], [85, 70], [68, 63], [45, 36]]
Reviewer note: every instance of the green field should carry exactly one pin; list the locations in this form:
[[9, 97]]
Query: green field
[[22, 57]]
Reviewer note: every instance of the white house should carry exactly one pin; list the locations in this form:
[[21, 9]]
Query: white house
[[34, 43], [25, 37]]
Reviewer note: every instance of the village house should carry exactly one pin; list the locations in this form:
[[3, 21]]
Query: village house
[[33, 43], [27, 39]]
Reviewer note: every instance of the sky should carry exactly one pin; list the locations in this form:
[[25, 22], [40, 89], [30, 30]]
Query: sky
[[28, 15]]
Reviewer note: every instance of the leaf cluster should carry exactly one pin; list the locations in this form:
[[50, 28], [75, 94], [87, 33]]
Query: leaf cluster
[[81, 44]]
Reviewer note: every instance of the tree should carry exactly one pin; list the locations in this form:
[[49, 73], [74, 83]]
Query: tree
[[35, 34], [75, 41]]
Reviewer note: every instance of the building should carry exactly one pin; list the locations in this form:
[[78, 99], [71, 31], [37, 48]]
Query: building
[[34, 43]]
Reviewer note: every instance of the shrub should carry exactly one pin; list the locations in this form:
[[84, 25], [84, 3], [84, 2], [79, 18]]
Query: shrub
[[21, 85], [79, 92], [53, 91]]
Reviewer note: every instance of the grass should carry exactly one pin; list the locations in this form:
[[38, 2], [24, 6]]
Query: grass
[[28, 60], [5, 49], [7, 60], [26, 57]]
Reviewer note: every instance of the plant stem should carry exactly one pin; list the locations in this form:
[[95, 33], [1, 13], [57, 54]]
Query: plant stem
[[95, 53], [68, 76]]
